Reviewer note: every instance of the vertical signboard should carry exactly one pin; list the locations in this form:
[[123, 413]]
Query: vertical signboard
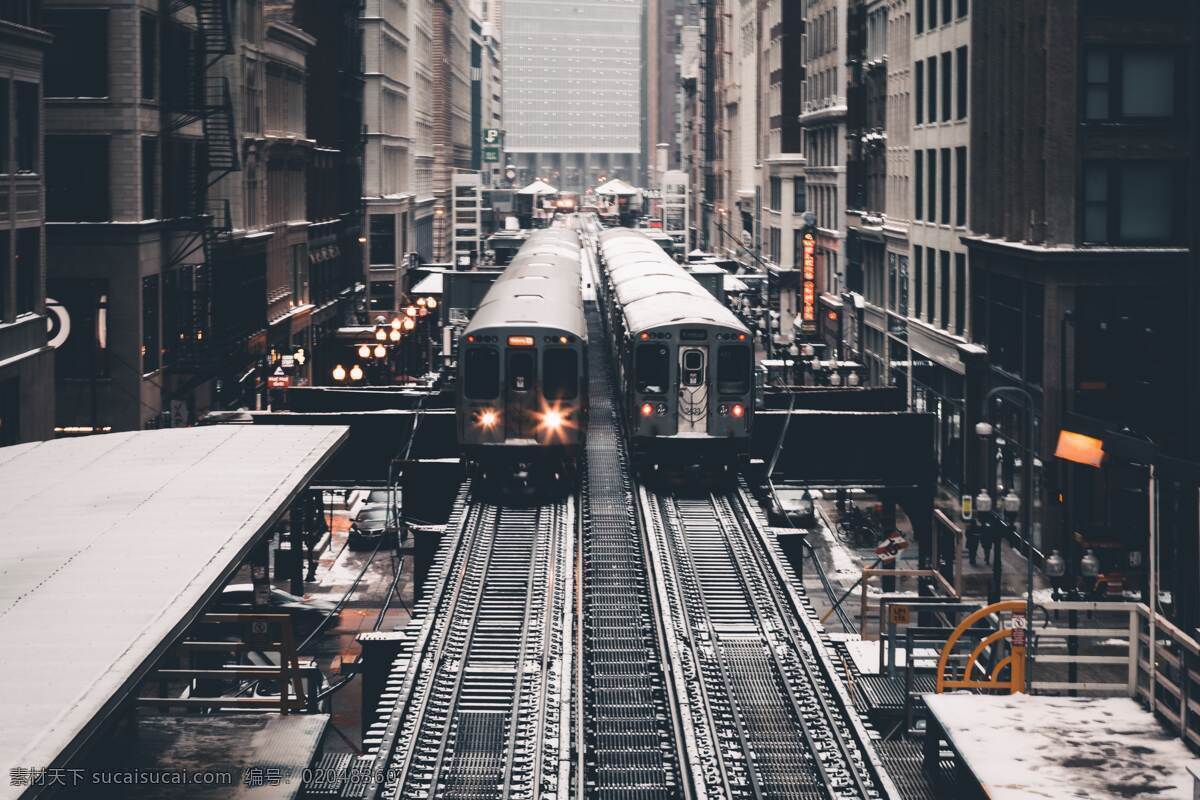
[[808, 308]]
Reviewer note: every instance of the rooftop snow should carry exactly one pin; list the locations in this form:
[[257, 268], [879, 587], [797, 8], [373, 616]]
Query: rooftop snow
[[111, 545], [1022, 748]]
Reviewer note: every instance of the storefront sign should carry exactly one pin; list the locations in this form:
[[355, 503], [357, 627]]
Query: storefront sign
[[808, 308]]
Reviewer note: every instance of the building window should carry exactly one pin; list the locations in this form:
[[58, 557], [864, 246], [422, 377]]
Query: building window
[[5, 136], [960, 294], [29, 113], [919, 185], [931, 185], [77, 179], [902, 309], [776, 198], [945, 186], [919, 106], [5, 276], [963, 7], [947, 11], [77, 61], [931, 78], [918, 265], [149, 57], [961, 58], [299, 287], [929, 288], [947, 86], [947, 289], [799, 197], [150, 345], [1130, 84], [933, 13], [149, 177], [1131, 202], [383, 239], [919, 20], [960, 209]]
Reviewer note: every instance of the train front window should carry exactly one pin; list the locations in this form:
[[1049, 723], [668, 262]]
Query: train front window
[[520, 371], [733, 370], [560, 375], [653, 368], [482, 373]]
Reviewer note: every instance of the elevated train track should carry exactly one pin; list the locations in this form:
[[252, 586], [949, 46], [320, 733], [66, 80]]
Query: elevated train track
[[764, 706], [476, 706], [627, 644]]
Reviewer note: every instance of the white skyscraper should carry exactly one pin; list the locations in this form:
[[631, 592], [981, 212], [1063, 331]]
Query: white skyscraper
[[573, 93]]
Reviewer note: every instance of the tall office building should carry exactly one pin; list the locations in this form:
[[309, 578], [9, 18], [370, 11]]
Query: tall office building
[[573, 97]]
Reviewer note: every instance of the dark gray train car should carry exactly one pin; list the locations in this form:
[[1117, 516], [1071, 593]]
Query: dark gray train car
[[522, 383], [685, 361]]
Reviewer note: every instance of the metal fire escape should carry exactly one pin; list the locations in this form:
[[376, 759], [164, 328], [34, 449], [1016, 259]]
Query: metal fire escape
[[208, 225]]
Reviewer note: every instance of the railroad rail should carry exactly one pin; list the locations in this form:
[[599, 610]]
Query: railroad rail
[[766, 711], [477, 706], [628, 748]]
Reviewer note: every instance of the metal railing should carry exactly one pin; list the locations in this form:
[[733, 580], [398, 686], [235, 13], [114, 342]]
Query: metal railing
[[1159, 668]]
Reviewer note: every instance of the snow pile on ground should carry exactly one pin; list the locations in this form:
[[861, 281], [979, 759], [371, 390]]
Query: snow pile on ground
[[1022, 747]]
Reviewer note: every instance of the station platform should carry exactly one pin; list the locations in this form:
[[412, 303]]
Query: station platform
[[112, 546], [1023, 747]]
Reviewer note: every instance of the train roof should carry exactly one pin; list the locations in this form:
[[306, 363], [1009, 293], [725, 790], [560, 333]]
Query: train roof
[[653, 290], [540, 289]]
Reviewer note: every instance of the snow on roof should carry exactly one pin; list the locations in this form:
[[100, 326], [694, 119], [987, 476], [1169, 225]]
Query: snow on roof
[[616, 187], [538, 187], [111, 545], [430, 284], [1023, 747]]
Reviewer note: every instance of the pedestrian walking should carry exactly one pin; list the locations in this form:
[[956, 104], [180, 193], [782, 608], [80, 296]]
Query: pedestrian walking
[[987, 538], [973, 537]]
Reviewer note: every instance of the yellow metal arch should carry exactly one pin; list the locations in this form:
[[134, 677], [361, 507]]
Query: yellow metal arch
[[1014, 662]]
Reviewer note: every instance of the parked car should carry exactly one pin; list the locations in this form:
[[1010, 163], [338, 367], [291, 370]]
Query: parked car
[[371, 523]]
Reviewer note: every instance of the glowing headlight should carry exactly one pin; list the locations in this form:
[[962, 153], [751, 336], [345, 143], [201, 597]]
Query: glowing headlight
[[553, 419], [488, 418]]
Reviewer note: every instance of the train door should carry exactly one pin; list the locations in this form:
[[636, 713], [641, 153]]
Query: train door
[[520, 395], [693, 390]]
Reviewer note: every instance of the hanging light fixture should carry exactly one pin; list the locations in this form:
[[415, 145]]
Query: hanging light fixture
[[356, 373]]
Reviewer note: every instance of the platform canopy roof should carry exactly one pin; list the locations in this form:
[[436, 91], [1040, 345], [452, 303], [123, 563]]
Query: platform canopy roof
[[112, 546], [616, 187], [538, 187]]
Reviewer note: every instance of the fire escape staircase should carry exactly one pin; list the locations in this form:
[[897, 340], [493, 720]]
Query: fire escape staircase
[[210, 225]]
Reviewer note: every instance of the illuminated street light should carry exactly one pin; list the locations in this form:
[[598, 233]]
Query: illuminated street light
[[380, 334], [409, 324], [380, 351], [339, 373], [395, 335], [356, 373], [364, 350]]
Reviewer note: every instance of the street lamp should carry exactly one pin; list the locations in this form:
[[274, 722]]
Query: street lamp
[[835, 378], [394, 335], [409, 324], [339, 373], [381, 334], [380, 351], [852, 379], [983, 502], [1014, 505], [356, 373], [364, 350]]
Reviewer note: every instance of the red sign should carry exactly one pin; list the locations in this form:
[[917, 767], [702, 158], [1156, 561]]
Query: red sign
[[279, 381], [888, 549], [808, 313]]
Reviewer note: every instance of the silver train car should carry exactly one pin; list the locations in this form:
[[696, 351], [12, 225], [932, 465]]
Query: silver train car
[[685, 361], [522, 366]]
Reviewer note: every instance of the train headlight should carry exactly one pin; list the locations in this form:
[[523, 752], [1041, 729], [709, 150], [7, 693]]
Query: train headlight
[[647, 409], [488, 418], [552, 419], [738, 410]]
